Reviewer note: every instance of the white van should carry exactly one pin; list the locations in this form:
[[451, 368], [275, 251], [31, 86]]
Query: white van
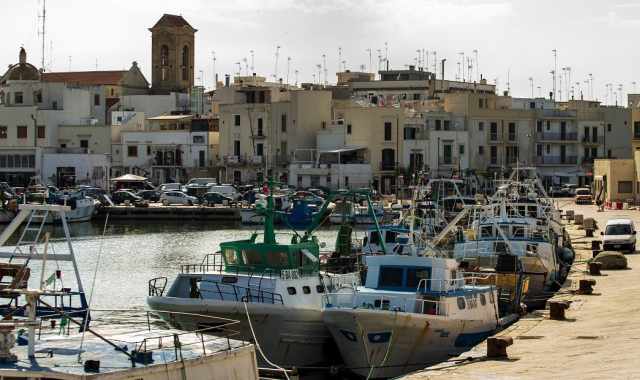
[[226, 190], [619, 235]]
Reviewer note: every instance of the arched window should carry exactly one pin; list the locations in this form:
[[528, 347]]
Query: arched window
[[164, 55], [185, 62]]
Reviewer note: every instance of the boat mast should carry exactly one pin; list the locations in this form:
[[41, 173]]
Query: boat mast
[[269, 231]]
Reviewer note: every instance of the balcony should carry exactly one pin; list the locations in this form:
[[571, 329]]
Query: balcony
[[258, 136], [556, 160], [452, 161], [558, 136], [593, 140], [388, 166]]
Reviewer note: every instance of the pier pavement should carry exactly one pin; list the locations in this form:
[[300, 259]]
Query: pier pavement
[[598, 340]]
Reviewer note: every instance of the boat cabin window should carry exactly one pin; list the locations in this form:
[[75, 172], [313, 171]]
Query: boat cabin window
[[500, 247], [532, 248], [303, 260], [390, 277], [277, 259], [230, 256], [291, 290], [517, 232], [229, 279], [250, 257], [532, 212], [415, 275], [483, 299], [461, 303], [486, 231], [390, 236], [319, 288], [522, 210], [375, 238], [306, 290]]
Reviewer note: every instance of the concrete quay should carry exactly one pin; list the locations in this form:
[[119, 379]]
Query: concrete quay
[[159, 212], [599, 339]]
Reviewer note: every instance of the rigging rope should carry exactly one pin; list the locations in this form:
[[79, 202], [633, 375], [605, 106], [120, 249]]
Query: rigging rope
[[93, 287]]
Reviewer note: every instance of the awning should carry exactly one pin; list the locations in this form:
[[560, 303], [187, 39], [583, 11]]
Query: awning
[[170, 117], [128, 178]]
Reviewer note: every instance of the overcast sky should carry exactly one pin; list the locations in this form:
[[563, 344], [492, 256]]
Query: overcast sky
[[514, 39]]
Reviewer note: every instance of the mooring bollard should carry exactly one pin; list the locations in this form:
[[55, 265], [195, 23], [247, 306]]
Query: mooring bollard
[[586, 286], [557, 309], [497, 346], [578, 219], [594, 268]]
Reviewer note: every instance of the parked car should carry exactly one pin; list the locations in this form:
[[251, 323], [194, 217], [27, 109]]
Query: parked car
[[583, 195], [177, 197], [619, 235], [570, 189], [213, 198], [226, 190], [120, 196], [149, 195], [170, 187], [558, 191], [202, 181]]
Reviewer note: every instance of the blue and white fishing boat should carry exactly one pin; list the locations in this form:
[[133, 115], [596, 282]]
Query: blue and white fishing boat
[[412, 311]]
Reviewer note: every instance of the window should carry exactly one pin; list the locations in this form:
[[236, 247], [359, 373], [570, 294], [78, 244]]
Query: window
[[22, 131], [148, 149], [84, 144], [494, 155], [594, 134], [260, 149], [625, 187], [409, 133], [532, 105], [512, 131], [306, 289], [164, 55], [236, 148], [260, 127], [283, 122], [548, 149], [236, 120], [480, 103], [41, 131], [483, 299], [348, 129], [539, 150], [387, 131], [198, 139], [461, 303], [480, 150], [17, 97], [37, 95], [461, 149], [291, 290], [608, 127], [96, 99], [132, 151], [609, 153], [3, 132], [447, 124], [548, 125], [438, 125], [415, 275], [319, 288], [539, 126], [494, 132], [480, 126], [390, 277], [185, 62]]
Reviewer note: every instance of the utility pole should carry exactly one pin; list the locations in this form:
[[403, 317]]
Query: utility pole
[[531, 84], [477, 65], [555, 70], [42, 31]]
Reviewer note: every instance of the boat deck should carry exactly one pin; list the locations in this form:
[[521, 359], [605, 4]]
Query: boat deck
[[58, 353], [598, 339]]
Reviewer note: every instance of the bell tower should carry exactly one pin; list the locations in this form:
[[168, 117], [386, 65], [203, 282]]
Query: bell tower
[[172, 55]]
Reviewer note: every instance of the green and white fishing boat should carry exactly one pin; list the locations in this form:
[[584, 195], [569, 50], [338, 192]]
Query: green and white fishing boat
[[275, 281]]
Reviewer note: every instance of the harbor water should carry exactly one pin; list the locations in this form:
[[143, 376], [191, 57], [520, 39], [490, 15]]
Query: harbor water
[[131, 253]]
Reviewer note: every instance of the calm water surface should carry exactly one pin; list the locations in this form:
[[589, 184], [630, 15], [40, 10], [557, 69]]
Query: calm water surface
[[133, 252]]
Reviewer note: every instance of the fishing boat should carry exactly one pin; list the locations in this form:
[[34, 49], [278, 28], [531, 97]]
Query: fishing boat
[[272, 284], [49, 331], [413, 311]]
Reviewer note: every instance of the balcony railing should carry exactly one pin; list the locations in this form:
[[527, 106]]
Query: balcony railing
[[557, 136], [447, 160], [258, 136], [592, 140], [556, 160]]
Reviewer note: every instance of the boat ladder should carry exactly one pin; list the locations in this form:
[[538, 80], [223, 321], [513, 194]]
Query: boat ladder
[[28, 242]]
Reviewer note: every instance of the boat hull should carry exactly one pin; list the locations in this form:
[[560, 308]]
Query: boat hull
[[398, 343], [288, 336]]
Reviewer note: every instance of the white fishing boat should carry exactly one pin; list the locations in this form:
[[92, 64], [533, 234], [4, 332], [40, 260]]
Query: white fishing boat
[[413, 311], [277, 286]]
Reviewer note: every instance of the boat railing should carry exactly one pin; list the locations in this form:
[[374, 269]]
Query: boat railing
[[232, 292], [385, 302], [212, 262], [157, 286]]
